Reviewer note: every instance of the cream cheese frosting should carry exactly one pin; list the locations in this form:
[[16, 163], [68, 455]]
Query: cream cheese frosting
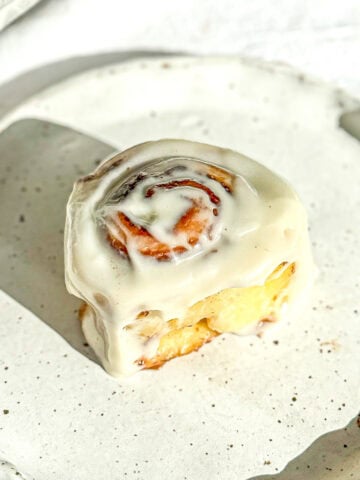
[[128, 247]]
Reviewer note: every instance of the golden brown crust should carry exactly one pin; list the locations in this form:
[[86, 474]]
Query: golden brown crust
[[180, 342], [227, 311], [82, 311]]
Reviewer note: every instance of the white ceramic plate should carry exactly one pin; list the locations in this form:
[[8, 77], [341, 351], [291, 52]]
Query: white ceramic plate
[[10, 10], [227, 412]]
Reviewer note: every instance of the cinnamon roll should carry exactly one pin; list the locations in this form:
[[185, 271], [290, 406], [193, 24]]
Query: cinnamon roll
[[173, 242]]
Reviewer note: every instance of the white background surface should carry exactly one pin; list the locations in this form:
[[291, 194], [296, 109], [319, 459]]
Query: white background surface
[[321, 37], [220, 405]]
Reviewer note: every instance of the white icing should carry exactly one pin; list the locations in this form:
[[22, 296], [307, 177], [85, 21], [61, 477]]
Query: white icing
[[260, 224]]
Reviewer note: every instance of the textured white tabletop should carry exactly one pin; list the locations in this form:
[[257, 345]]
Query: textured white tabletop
[[321, 37]]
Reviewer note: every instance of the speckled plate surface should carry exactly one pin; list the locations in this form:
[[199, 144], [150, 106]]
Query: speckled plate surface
[[240, 407]]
